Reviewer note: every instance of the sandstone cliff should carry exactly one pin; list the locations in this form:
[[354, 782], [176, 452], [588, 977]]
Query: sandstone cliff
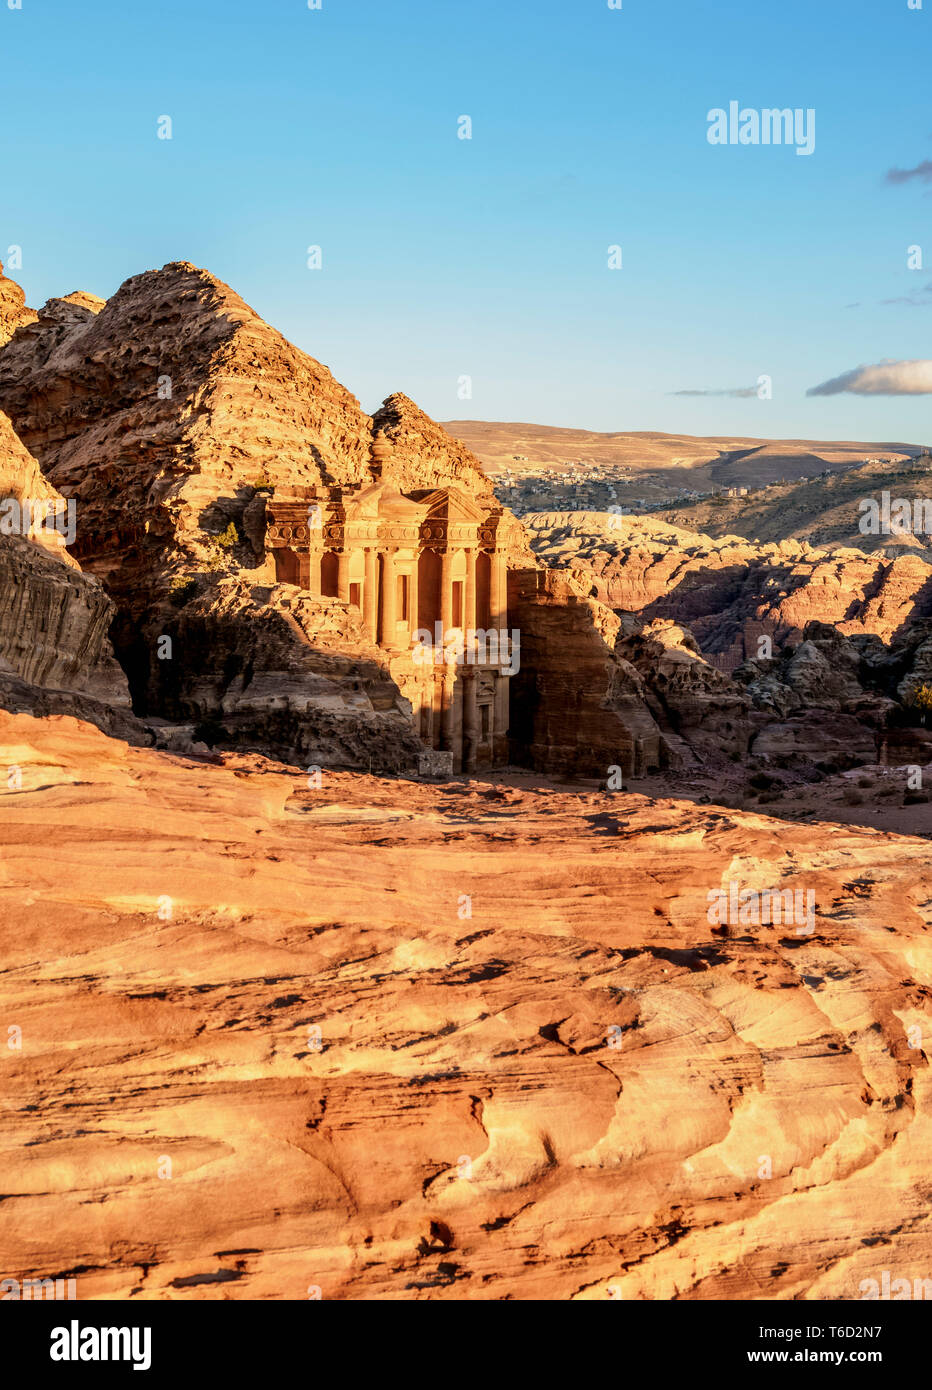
[[55, 656], [576, 707], [13, 311]]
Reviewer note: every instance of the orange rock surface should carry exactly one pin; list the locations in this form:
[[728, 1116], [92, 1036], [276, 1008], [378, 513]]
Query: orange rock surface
[[389, 1040]]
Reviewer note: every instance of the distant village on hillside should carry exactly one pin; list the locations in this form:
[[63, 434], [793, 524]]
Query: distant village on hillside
[[578, 485]]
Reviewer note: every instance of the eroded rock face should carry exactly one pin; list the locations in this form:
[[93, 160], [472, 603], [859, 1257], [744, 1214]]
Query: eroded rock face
[[422, 450], [575, 706], [289, 675], [688, 697], [835, 699], [54, 622], [160, 413], [807, 634], [586, 1091], [23, 482], [167, 415]]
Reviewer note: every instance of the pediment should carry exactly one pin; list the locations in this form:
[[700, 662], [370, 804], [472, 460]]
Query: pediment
[[449, 504]]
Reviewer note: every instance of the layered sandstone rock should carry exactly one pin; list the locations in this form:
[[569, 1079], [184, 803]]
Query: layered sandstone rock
[[807, 634], [40, 514], [601, 693], [161, 412], [423, 454], [833, 699], [168, 415], [263, 1055]]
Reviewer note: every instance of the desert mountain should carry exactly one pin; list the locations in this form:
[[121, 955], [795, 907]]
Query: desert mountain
[[163, 413], [161, 409]]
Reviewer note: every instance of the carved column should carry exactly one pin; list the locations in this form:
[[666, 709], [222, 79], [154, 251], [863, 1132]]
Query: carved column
[[469, 616], [446, 592], [500, 720], [370, 596], [343, 575], [499, 590], [413, 599], [389, 599], [313, 573], [448, 722], [436, 714], [470, 719]]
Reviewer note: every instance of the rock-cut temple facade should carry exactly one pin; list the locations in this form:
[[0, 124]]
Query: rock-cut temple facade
[[431, 561]]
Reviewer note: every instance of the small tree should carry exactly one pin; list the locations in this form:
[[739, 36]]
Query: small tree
[[228, 538], [920, 698]]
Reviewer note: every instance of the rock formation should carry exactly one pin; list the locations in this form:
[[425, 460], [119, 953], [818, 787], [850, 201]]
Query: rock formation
[[168, 414], [185, 432], [806, 633], [576, 707], [703, 714], [728, 591], [295, 675]]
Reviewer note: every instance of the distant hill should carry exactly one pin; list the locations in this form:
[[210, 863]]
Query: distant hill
[[674, 460], [823, 511]]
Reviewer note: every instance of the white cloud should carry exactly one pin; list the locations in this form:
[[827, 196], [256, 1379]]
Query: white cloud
[[883, 379]]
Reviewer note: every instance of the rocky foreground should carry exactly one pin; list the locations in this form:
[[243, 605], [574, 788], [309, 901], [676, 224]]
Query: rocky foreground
[[379, 1039]]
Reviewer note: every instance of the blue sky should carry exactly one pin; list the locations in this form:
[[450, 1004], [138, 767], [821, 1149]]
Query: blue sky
[[487, 258]]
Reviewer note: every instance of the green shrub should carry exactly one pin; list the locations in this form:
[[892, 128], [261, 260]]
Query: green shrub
[[181, 590]]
